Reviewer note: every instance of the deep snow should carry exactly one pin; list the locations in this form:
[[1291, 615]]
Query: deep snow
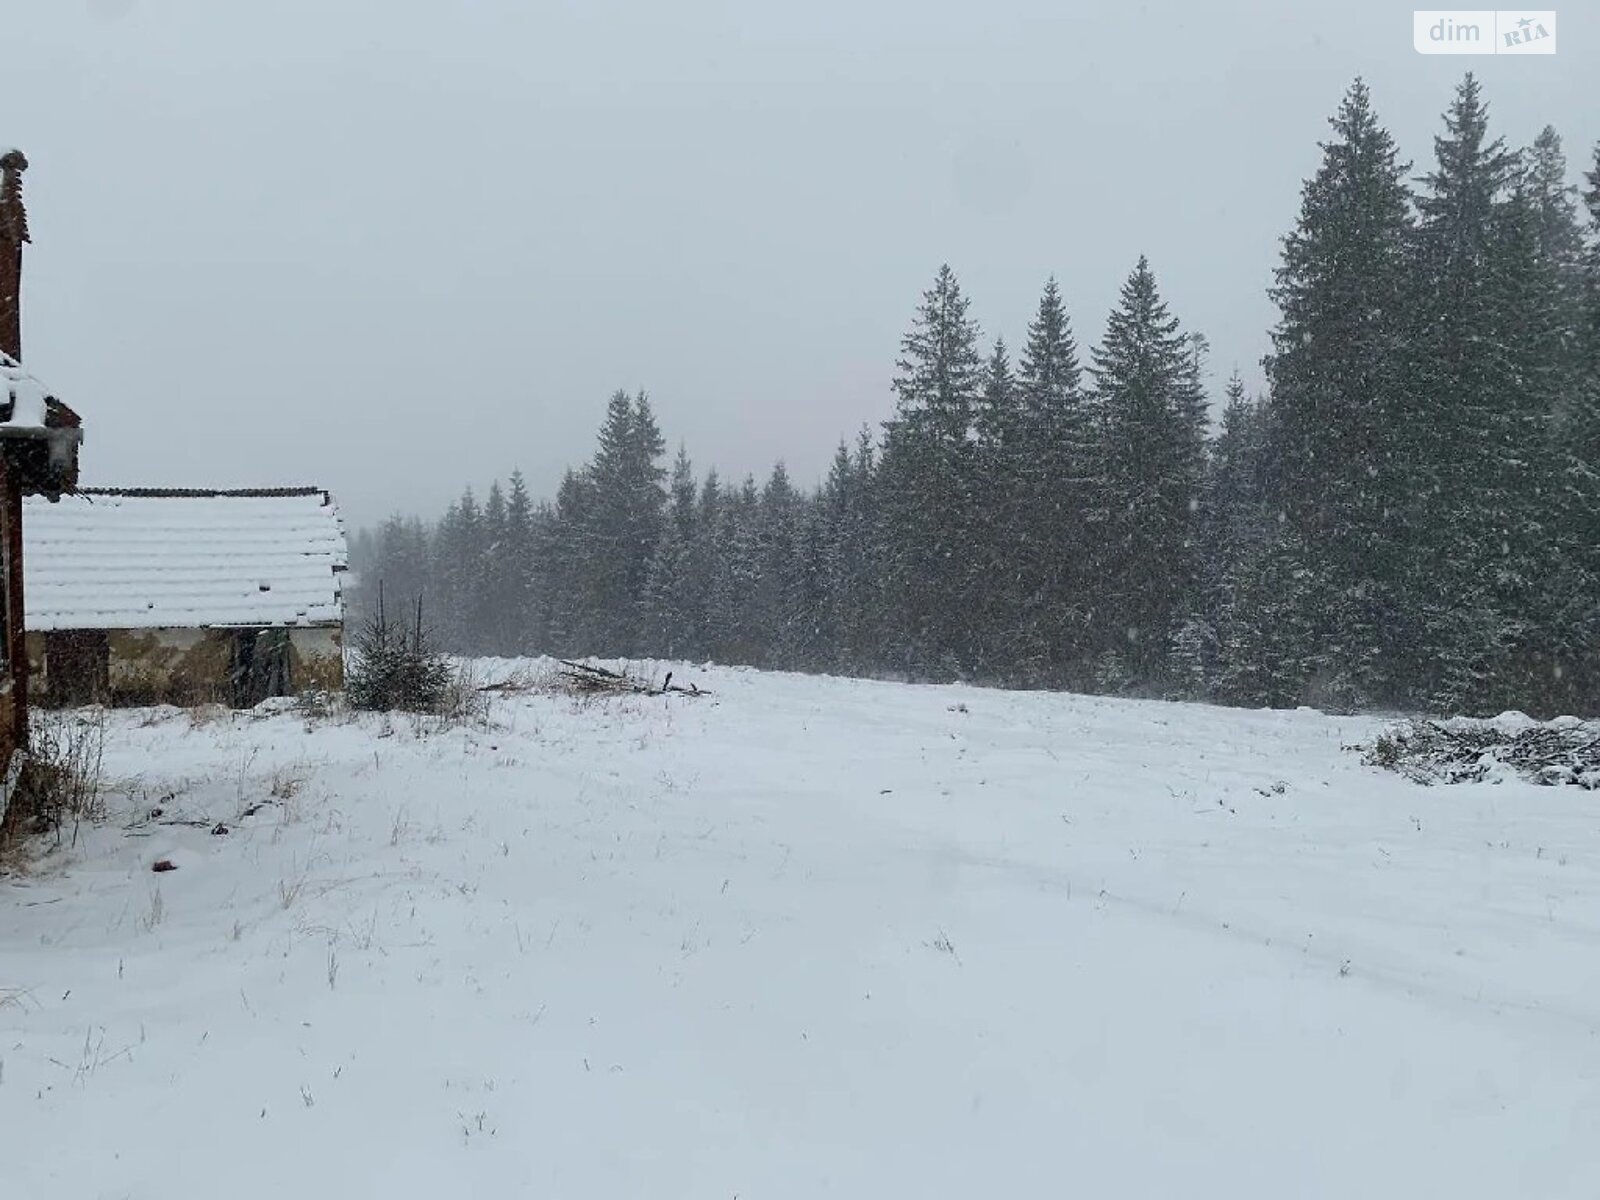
[[807, 937]]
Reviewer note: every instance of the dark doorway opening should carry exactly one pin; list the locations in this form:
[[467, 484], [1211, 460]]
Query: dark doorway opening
[[77, 664], [259, 666]]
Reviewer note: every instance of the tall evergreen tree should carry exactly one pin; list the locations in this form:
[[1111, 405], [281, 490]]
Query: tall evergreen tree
[[1052, 486], [674, 598], [400, 560], [683, 494], [1263, 650], [1591, 201], [850, 560], [669, 611], [929, 484], [624, 522], [458, 566], [734, 633], [1342, 410], [1480, 421], [1150, 397], [1543, 178], [574, 622], [1569, 624], [778, 584], [492, 608], [994, 610], [524, 617], [1235, 526], [995, 420], [705, 566], [831, 519], [812, 638], [1591, 197]]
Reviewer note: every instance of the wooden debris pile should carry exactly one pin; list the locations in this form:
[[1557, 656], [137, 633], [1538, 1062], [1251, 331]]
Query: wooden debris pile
[[1563, 751], [587, 679]]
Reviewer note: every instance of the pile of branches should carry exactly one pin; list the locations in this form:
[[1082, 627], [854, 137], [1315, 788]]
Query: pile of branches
[[587, 679], [1459, 750]]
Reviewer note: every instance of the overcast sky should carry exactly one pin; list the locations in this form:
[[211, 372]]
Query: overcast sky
[[389, 246]]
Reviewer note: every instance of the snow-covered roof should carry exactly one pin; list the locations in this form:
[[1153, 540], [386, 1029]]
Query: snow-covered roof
[[21, 394], [151, 558]]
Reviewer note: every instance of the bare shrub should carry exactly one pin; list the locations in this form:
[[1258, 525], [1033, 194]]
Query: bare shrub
[[202, 715], [286, 783], [16, 997], [155, 913], [59, 785], [465, 701], [401, 828]]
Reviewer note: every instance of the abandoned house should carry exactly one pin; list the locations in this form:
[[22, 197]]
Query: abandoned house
[[184, 596], [39, 439]]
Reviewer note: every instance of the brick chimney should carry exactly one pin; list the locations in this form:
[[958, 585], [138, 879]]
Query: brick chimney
[[13, 233]]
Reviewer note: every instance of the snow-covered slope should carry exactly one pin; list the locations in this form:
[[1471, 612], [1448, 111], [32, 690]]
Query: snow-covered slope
[[808, 937]]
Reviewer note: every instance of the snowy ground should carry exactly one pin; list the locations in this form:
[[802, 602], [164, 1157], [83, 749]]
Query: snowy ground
[[810, 937]]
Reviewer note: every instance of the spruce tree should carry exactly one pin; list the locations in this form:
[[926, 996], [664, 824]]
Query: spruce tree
[[777, 586], [831, 518], [995, 600], [1263, 651], [573, 619], [458, 566], [669, 612], [1149, 395], [400, 559], [683, 494], [1543, 178], [492, 610], [1235, 526], [710, 629], [929, 484], [813, 638], [995, 420], [849, 561], [1343, 413], [733, 631], [1570, 618], [1052, 485], [1537, 264], [1591, 201], [866, 546], [1479, 418], [624, 521], [524, 619]]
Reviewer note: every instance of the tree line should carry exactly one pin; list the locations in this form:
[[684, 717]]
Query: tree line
[[1409, 516]]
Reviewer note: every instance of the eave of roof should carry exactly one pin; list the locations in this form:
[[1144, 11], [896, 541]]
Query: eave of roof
[[204, 493]]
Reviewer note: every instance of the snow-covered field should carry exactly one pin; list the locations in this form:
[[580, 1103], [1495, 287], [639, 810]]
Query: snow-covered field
[[807, 937]]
